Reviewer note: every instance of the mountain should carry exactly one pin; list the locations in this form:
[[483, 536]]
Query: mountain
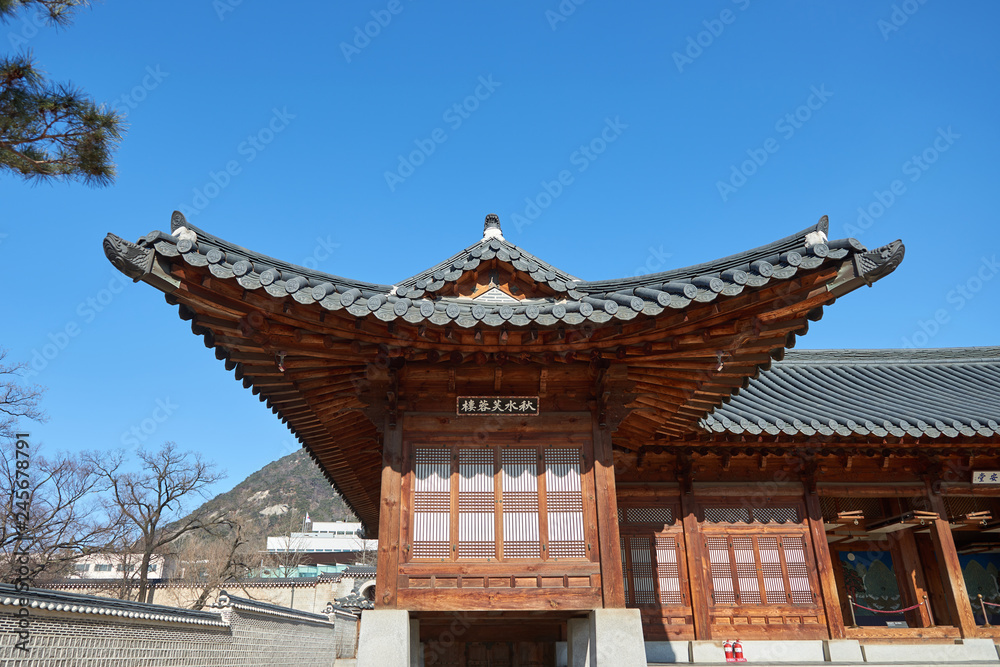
[[274, 500]]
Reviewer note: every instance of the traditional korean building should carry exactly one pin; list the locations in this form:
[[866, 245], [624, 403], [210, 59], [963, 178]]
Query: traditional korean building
[[546, 459]]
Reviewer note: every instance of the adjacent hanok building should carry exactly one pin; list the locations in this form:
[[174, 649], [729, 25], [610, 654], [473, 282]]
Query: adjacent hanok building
[[547, 459]]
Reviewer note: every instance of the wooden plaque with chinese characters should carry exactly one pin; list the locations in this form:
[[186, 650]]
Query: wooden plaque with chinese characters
[[478, 406]]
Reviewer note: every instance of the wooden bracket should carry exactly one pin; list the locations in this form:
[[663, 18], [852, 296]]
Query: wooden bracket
[[614, 393], [685, 476]]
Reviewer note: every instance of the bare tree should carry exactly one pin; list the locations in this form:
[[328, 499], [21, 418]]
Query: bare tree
[[213, 560], [62, 509], [151, 500], [18, 400], [290, 552]]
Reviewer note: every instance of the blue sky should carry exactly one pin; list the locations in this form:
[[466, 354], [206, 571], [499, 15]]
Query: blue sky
[[687, 131]]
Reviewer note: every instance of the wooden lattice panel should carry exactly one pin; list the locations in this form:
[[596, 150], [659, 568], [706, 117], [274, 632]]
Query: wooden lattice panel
[[776, 514], [662, 516], [727, 515]]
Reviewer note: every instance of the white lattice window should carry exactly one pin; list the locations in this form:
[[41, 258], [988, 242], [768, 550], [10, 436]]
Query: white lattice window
[[564, 503], [723, 590], [770, 569], [476, 504], [432, 503], [794, 549], [651, 568], [668, 571], [759, 569], [464, 487], [519, 480]]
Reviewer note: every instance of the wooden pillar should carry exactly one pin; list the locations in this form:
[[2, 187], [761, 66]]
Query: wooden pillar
[[697, 567], [612, 581], [956, 596], [838, 576], [933, 578], [909, 576], [387, 568], [824, 567]]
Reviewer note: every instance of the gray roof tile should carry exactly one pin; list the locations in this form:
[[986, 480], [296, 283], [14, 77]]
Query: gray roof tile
[[919, 393], [575, 301]]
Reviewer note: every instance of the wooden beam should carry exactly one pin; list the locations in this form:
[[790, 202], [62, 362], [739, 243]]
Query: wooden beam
[[956, 595], [824, 567], [387, 567]]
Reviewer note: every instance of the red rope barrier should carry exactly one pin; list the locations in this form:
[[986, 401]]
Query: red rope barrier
[[897, 611], [990, 604]]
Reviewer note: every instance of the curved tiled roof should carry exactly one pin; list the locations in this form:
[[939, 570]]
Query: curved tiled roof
[[576, 301], [943, 393], [39, 598], [256, 606]]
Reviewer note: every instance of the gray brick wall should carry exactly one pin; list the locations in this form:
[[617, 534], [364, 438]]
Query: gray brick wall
[[242, 634]]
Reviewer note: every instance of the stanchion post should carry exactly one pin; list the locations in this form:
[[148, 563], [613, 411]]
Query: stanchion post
[[986, 619], [930, 612], [854, 621]]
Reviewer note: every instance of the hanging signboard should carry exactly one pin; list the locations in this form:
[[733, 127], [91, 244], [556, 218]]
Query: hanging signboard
[[986, 477], [469, 406]]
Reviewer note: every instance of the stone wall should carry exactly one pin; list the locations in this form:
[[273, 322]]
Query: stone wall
[[65, 629]]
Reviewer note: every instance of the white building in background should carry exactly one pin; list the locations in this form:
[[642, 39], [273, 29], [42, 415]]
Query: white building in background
[[116, 566], [323, 539]]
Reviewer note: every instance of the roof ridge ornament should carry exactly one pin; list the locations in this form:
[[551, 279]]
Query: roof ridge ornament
[[491, 229]]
